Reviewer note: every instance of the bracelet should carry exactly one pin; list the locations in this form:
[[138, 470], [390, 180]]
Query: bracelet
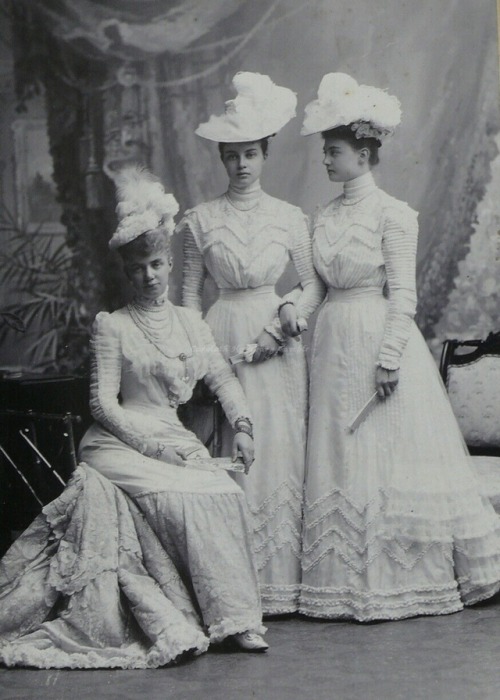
[[245, 421], [245, 429], [284, 303], [271, 331], [244, 425]]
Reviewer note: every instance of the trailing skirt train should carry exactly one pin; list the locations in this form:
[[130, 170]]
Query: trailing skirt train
[[130, 577]]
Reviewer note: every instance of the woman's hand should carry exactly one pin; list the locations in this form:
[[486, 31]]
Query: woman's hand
[[288, 320], [243, 444], [386, 381], [170, 456], [267, 347]]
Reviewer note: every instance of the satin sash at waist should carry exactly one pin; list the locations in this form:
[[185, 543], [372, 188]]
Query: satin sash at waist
[[353, 293], [230, 294]]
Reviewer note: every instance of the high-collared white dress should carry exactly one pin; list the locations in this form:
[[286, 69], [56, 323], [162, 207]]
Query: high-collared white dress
[[394, 523], [244, 242], [103, 580]]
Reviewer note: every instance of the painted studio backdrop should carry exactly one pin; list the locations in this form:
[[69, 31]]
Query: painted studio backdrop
[[89, 84]]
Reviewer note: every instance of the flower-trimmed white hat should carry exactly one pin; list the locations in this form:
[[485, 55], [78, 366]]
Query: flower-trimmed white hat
[[260, 109], [341, 101], [143, 205]]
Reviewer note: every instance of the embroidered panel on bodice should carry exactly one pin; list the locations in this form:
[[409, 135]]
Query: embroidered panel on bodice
[[347, 243], [244, 249]]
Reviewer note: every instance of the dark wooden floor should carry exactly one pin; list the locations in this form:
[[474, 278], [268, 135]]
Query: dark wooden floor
[[454, 657]]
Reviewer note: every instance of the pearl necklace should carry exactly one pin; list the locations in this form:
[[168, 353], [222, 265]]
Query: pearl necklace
[[154, 305], [158, 330]]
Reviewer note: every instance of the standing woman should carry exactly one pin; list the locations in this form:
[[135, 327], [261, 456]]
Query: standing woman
[[394, 523], [244, 239]]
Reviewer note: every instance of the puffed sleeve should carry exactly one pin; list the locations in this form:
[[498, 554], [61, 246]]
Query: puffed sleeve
[[399, 249], [313, 289], [220, 378], [194, 270], [106, 364]]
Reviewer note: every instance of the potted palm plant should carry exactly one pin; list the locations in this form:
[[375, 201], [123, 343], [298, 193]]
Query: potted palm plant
[[43, 325]]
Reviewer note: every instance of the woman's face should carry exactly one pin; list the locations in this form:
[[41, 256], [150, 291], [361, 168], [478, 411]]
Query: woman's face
[[148, 274], [342, 161], [243, 162]]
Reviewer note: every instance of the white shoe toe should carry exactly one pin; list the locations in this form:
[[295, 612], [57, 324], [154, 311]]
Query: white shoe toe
[[251, 641]]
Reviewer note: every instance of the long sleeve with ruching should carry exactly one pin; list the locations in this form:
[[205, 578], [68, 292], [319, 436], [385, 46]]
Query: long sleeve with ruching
[[313, 289], [399, 247], [194, 270], [220, 379], [105, 386]]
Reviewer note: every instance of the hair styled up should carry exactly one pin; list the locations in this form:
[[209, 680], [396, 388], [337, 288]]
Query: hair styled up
[[149, 242], [345, 133], [264, 144]]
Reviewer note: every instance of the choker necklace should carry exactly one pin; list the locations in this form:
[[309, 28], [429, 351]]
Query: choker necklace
[[150, 305], [158, 331]]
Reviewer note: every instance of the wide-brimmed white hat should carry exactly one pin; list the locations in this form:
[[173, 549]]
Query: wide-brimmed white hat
[[143, 205], [260, 109], [341, 101]]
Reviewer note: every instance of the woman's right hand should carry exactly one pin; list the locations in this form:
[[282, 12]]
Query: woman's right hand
[[267, 347], [171, 456]]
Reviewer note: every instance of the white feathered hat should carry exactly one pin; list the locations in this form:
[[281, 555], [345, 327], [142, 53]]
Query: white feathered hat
[[143, 205], [260, 109], [341, 101]]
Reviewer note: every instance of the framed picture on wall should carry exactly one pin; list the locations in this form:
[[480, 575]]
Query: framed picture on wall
[[36, 201]]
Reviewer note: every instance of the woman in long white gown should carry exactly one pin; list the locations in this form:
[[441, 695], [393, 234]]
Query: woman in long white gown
[[96, 581], [244, 240], [395, 525]]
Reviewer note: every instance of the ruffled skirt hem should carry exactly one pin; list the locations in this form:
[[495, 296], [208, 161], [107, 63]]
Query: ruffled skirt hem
[[352, 604], [162, 653], [279, 600], [226, 628]]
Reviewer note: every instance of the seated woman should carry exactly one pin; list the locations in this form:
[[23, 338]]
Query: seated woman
[[96, 581]]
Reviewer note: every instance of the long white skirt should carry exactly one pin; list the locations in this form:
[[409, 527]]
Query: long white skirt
[[276, 391], [200, 517], [395, 525]]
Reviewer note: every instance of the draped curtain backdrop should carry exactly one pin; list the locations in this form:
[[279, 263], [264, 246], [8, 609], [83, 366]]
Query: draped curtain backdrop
[[129, 80]]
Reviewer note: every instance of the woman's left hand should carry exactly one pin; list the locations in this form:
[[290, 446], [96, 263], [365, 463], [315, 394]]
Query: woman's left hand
[[288, 320], [243, 444], [386, 381]]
